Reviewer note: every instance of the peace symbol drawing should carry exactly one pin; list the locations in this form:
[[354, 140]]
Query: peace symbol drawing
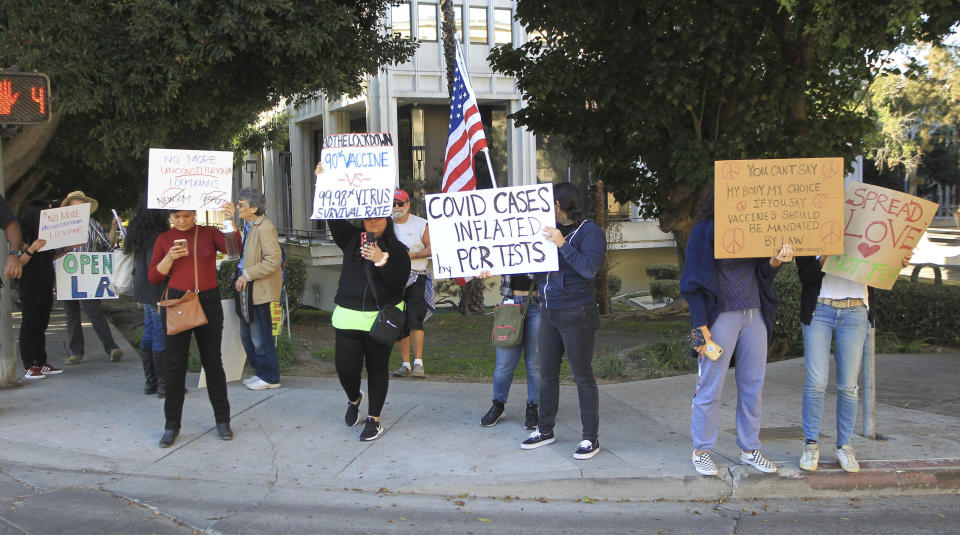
[[741, 206], [831, 232], [733, 240], [819, 200]]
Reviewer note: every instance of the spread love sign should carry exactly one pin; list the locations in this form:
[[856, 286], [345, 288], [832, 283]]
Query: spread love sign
[[189, 179], [497, 230], [761, 204], [358, 172], [881, 226]]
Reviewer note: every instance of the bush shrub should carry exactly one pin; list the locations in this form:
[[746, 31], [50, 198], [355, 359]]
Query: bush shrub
[[787, 338], [659, 289], [614, 283], [225, 279], [665, 271], [296, 278]]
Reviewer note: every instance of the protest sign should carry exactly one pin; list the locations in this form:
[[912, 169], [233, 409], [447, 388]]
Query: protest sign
[[500, 230], [881, 227], [64, 227], [358, 176], [83, 276], [761, 204], [189, 179]]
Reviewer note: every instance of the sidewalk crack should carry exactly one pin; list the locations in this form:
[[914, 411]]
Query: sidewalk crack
[[370, 445]]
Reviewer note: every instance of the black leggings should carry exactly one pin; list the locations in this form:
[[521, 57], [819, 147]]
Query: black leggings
[[352, 349], [33, 326]]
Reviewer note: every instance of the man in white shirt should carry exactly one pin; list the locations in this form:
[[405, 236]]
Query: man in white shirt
[[418, 296]]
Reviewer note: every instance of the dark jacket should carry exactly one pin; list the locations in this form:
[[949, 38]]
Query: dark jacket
[[811, 277], [699, 283], [144, 292], [390, 280], [578, 259]]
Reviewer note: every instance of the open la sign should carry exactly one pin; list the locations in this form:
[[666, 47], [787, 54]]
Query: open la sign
[[84, 276], [881, 227]]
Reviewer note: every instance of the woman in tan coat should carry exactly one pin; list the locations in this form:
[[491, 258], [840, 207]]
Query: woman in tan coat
[[260, 268]]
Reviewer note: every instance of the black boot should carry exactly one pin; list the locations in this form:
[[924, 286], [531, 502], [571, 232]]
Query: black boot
[[149, 372], [160, 365]]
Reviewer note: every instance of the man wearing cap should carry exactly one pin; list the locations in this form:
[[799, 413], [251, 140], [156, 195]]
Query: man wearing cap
[[418, 296], [97, 241]]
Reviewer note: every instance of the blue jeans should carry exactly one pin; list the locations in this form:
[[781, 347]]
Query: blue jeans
[[849, 325], [509, 357], [743, 332], [154, 334], [257, 338]]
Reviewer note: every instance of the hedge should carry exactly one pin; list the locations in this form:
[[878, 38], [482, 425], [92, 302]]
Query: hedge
[[296, 278], [911, 311], [660, 289], [665, 271]]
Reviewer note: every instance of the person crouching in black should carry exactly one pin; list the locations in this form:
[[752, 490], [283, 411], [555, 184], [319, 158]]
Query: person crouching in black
[[386, 260]]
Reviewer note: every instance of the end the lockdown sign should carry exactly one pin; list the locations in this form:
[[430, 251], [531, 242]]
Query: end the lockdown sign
[[84, 276], [358, 173]]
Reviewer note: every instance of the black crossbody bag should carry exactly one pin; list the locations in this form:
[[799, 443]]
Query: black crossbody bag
[[390, 320]]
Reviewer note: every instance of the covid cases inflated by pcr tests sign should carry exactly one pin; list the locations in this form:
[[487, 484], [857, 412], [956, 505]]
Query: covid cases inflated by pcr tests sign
[[189, 179], [497, 230], [358, 172], [761, 204]]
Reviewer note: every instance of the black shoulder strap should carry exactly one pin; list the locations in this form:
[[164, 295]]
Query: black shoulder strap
[[373, 287]]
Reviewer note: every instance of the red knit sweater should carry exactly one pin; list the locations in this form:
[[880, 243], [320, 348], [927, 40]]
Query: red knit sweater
[[210, 240]]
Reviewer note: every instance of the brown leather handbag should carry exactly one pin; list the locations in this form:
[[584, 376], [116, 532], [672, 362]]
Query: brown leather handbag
[[185, 313]]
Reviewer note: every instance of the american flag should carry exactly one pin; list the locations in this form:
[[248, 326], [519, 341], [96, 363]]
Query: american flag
[[465, 138]]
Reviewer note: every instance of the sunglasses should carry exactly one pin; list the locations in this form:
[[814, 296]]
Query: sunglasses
[[399, 203]]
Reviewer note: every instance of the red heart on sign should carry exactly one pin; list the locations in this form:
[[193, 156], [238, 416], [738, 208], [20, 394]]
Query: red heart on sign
[[867, 249]]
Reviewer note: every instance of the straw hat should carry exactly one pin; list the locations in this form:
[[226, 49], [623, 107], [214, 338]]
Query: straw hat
[[79, 196]]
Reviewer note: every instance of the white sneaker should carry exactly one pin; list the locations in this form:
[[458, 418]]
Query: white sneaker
[[810, 457], [704, 464], [250, 379], [260, 384], [847, 458], [758, 461]]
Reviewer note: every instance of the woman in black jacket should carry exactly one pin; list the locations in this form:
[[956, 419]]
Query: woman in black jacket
[[384, 261], [143, 232]]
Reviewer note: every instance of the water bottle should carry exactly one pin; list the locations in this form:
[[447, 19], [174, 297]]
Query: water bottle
[[230, 236]]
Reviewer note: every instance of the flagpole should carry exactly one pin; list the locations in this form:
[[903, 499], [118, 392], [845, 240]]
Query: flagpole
[[493, 179]]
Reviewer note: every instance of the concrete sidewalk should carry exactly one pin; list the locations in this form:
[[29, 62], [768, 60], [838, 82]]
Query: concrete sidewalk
[[93, 421]]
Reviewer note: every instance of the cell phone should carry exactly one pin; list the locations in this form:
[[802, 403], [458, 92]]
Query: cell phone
[[179, 243], [365, 238]]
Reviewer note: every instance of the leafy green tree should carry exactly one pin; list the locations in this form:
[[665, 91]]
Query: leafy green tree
[[918, 113], [651, 93], [135, 74]]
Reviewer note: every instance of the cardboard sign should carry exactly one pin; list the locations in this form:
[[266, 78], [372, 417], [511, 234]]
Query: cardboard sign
[[882, 226], [276, 317], [500, 230], [761, 204], [64, 227], [189, 179], [358, 176], [82, 276]]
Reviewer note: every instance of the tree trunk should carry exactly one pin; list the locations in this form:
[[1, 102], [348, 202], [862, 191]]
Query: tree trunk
[[22, 150], [601, 284], [449, 40]]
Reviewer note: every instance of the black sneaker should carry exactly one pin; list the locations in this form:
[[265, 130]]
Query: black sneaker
[[586, 449], [372, 430], [493, 415], [533, 416], [352, 417], [537, 439]]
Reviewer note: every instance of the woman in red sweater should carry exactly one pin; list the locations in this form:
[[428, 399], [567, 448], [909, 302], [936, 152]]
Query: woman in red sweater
[[175, 265]]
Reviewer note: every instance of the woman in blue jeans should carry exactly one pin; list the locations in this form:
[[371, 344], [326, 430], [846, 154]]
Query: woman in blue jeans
[[569, 319], [841, 310], [516, 289]]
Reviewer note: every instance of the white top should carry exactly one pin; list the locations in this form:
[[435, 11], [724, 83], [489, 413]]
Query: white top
[[411, 234], [834, 287]]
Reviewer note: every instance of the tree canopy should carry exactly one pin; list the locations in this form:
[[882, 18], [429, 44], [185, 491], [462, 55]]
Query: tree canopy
[[135, 74], [651, 93]]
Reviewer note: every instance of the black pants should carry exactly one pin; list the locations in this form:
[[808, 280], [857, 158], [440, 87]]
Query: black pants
[[37, 304], [178, 352], [353, 348]]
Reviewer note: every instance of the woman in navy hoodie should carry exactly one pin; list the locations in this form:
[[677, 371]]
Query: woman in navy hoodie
[[569, 319], [731, 302]]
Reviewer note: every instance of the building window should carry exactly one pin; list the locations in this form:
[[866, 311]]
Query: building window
[[400, 21], [502, 27], [478, 25], [427, 22]]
